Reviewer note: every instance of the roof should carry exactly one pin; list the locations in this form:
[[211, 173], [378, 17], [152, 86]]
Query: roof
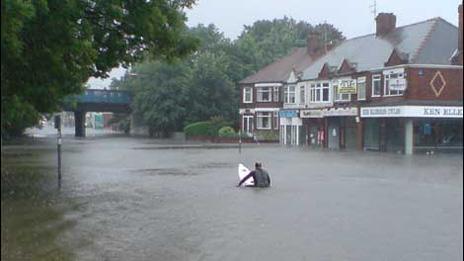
[[279, 71], [429, 42]]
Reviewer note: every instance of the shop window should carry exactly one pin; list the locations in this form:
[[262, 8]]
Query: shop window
[[438, 133], [263, 94], [376, 85], [362, 88], [263, 120], [247, 95]]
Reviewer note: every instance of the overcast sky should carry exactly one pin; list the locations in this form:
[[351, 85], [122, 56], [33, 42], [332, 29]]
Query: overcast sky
[[353, 18]]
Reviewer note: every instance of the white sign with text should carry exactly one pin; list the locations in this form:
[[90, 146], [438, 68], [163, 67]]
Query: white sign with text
[[413, 111]]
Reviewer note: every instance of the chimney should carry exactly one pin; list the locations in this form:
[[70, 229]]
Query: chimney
[[386, 23], [313, 44]]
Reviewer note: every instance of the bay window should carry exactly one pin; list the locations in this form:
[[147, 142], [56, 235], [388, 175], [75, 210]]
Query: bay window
[[276, 94], [289, 94], [320, 92], [302, 95], [263, 94], [263, 120]]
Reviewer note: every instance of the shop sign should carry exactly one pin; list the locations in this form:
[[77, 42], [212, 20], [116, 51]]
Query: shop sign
[[347, 87], [413, 111], [397, 84], [288, 114], [352, 111], [311, 114]]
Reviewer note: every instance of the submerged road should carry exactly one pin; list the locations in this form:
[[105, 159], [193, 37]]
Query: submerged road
[[141, 199]]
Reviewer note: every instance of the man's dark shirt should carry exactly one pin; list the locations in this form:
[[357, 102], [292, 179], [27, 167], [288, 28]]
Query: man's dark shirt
[[260, 177]]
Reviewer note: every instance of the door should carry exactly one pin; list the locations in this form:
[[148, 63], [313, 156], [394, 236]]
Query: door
[[248, 125], [333, 134]]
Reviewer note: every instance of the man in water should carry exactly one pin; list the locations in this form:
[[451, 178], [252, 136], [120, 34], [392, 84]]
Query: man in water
[[260, 177]]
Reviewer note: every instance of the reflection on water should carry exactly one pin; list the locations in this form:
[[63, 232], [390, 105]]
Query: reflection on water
[[120, 202], [31, 212]]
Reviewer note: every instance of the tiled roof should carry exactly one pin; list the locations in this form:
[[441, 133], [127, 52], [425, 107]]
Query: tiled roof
[[429, 42], [280, 70]]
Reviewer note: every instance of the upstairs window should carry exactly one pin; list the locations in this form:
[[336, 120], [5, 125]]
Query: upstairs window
[[263, 94], [376, 85], [361, 88], [302, 95], [320, 92], [289, 94], [395, 82], [247, 95], [276, 94], [342, 84]]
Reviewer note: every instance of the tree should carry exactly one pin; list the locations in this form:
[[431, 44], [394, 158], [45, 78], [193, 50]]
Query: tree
[[265, 41], [160, 93], [50, 48]]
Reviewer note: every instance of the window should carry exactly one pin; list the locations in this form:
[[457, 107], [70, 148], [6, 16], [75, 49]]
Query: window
[[376, 85], [276, 94], [263, 94], [263, 120], [361, 88], [342, 96], [320, 92], [396, 77], [302, 95], [275, 122], [289, 94], [247, 95]]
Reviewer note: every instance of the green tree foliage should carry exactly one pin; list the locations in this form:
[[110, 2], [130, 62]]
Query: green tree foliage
[[49, 48], [265, 41], [204, 84]]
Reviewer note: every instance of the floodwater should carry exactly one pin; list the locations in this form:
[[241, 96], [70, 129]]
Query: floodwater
[[140, 199]]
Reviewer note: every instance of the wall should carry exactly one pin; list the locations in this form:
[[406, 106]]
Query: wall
[[419, 85]]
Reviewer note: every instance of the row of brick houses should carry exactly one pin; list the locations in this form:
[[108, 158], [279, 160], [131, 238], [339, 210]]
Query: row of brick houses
[[399, 89]]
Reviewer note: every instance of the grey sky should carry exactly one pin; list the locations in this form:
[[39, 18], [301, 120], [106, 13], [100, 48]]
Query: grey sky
[[353, 18]]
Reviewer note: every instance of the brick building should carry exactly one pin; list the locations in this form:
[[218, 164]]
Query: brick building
[[399, 89]]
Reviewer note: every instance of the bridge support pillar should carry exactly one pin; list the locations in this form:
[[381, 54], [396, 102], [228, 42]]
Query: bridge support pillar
[[79, 123]]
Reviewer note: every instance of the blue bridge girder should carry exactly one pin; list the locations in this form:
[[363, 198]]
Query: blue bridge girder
[[95, 100]]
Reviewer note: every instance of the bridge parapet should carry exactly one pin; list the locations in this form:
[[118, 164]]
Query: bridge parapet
[[104, 96]]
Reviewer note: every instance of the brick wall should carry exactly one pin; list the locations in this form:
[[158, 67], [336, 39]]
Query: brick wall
[[419, 84]]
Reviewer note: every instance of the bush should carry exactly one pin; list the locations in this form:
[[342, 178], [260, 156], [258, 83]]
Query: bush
[[226, 132], [208, 128], [201, 128]]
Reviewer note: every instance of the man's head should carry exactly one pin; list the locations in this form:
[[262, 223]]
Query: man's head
[[258, 165]]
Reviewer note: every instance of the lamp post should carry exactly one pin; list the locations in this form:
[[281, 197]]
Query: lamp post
[[58, 145]]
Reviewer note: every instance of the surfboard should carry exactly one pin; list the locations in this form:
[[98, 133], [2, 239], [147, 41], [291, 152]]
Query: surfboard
[[242, 172]]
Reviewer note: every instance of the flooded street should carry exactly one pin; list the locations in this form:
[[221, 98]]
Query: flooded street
[[140, 199]]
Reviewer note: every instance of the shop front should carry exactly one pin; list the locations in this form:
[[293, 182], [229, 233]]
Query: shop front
[[314, 127], [333, 128], [291, 128], [341, 127], [410, 129]]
